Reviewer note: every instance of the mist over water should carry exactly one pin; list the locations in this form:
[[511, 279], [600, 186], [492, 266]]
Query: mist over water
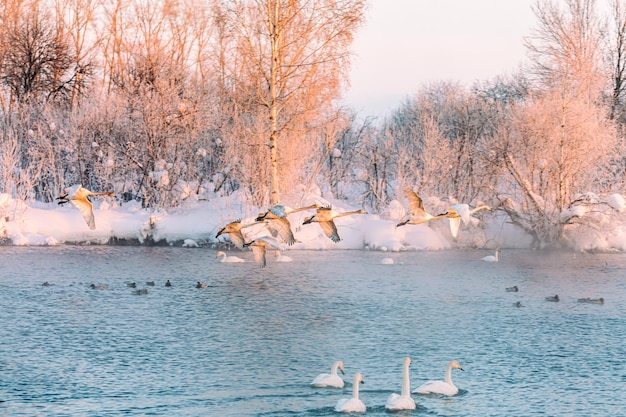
[[252, 341]]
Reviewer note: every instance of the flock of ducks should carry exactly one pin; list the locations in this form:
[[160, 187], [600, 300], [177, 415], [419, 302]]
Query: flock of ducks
[[395, 402], [555, 298]]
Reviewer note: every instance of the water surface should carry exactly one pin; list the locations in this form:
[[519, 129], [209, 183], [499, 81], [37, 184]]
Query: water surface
[[251, 342]]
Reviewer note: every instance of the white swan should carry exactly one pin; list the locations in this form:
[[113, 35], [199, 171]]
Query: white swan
[[386, 261], [77, 195], [446, 387], [354, 404], [324, 216], [259, 246], [492, 258], [331, 379], [277, 222], [458, 212], [282, 258], [418, 214], [403, 401], [226, 258]]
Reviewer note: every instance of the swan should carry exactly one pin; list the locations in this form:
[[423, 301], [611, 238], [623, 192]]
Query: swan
[[277, 222], [512, 289], [591, 300], [77, 195], [325, 216], [233, 230], [259, 246], [331, 379], [225, 258], [282, 258], [492, 258], [200, 285], [553, 298], [446, 387], [386, 261], [403, 401], [354, 404], [418, 213], [168, 283], [458, 212]]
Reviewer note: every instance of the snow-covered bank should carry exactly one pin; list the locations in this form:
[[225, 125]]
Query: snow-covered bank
[[197, 223]]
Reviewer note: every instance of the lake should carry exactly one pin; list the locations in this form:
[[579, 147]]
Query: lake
[[252, 341]]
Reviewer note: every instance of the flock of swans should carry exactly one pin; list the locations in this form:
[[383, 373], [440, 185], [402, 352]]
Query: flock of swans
[[395, 402]]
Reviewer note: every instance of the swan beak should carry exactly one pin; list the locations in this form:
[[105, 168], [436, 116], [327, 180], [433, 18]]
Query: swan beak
[[461, 369]]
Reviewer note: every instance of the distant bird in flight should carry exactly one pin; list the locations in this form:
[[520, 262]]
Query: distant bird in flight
[[458, 212], [418, 214], [324, 217], [279, 225], [233, 230], [78, 196]]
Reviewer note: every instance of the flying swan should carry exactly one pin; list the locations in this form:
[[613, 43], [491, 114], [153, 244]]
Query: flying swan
[[277, 222], [418, 214], [259, 246], [325, 216], [233, 230], [354, 404], [403, 401], [331, 379], [446, 387], [77, 195]]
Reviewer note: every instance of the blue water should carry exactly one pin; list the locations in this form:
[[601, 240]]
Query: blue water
[[251, 342]]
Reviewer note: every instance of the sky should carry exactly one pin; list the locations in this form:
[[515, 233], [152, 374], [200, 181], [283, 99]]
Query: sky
[[406, 44]]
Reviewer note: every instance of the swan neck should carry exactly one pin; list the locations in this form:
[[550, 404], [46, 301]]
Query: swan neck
[[406, 383], [496, 256], [355, 388], [449, 374], [333, 369]]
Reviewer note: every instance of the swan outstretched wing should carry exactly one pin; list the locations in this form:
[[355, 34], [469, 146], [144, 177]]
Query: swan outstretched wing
[[330, 229], [416, 204], [86, 209], [282, 228]]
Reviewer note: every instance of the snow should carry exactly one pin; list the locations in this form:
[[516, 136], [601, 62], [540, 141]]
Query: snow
[[196, 223]]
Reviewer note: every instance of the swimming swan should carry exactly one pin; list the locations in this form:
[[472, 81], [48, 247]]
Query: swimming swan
[[446, 387], [492, 258], [282, 258], [325, 216], [77, 195], [277, 222], [226, 258], [403, 401], [354, 404], [418, 214], [331, 379]]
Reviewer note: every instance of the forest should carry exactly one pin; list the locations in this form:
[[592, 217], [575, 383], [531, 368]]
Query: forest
[[170, 100]]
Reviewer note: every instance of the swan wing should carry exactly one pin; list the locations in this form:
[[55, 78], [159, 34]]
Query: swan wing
[[350, 405], [259, 254], [399, 402], [237, 239], [86, 209], [455, 223], [463, 211], [416, 204], [330, 229], [282, 228], [328, 380]]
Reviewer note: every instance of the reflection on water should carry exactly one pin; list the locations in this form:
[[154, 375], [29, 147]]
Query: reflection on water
[[250, 343]]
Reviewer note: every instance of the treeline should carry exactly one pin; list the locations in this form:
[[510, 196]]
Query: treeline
[[163, 101]]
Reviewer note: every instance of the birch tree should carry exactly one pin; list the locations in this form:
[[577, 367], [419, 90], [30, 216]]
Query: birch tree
[[294, 57]]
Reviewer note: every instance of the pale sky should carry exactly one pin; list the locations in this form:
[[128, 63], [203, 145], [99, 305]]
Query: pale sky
[[406, 44]]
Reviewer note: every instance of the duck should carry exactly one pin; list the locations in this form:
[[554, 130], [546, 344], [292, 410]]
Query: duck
[[512, 289], [46, 284], [277, 222], [200, 285], [445, 387], [229, 259], [553, 298], [234, 232], [259, 246], [458, 212], [518, 304], [325, 216], [591, 300], [78, 196], [418, 214], [330, 380], [150, 283], [168, 283], [354, 404], [98, 287], [492, 258], [142, 291], [132, 284], [403, 401], [282, 258]]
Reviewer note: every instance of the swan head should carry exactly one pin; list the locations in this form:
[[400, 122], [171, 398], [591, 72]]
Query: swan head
[[358, 378], [407, 361], [220, 253], [340, 367], [361, 211], [454, 364]]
